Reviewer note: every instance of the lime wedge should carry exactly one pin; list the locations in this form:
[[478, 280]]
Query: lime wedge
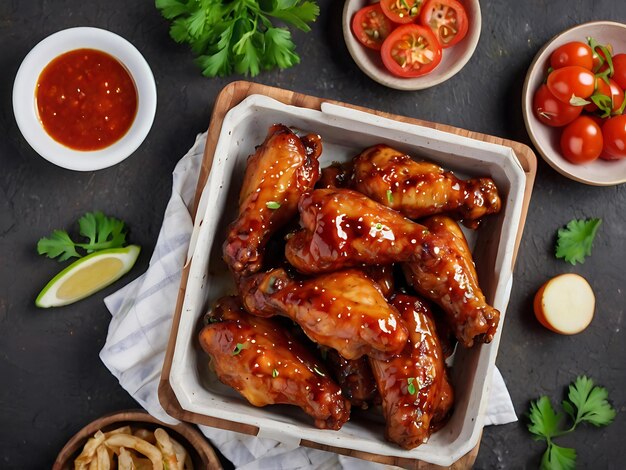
[[87, 275]]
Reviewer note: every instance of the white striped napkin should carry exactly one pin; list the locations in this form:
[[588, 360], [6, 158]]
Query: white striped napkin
[[140, 326]]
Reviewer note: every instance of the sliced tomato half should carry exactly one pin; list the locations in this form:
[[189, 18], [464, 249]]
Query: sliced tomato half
[[447, 19], [410, 51], [402, 11], [371, 27]]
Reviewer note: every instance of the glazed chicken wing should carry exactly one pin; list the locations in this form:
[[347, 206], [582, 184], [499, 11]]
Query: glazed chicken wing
[[260, 359], [342, 310], [343, 228], [419, 189], [277, 174], [464, 304], [417, 395]]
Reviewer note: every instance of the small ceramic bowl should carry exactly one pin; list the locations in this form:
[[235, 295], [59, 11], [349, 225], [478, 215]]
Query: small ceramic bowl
[[199, 449], [547, 139], [25, 106], [453, 60]]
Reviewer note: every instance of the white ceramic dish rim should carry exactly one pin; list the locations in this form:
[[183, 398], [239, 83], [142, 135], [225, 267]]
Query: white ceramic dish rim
[[25, 107], [410, 84], [182, 374], [557, 162]]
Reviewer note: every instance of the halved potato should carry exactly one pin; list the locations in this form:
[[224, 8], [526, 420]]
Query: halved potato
[[565, 304]]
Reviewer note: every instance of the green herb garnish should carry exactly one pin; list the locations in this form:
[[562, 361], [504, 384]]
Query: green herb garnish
[[389, 196], [103, 233], [239, 347], [587, 403], [275, 373], [272, 205], [574, 242], [411, 386], [238, 35]]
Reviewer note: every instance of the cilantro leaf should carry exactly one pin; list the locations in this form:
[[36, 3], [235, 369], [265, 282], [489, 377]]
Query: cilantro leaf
[[575, 241], [103, 233], [279, 49], [58, 244], [238, 35], [544, 421], [590, 402], [558, 458], [296, 14], [587, 403], [171, 8]]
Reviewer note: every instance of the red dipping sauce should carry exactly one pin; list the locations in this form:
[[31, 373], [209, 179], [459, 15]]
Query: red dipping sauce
[[86, 99]]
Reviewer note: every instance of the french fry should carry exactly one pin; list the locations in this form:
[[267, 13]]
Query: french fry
[[184, 459], [126, 447], [89, 451], [103, 459], [141, 446], [124, 460], [167, 449]]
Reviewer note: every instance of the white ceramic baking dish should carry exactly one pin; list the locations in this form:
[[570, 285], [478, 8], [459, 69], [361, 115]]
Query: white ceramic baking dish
[[345, 132]]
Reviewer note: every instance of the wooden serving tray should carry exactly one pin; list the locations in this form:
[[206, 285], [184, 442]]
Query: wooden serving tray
[[231, 96]]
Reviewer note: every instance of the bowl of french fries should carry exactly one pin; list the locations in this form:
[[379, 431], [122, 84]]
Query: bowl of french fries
[[134, 440]]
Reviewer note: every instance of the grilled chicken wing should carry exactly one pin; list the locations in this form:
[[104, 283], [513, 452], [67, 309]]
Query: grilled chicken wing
[[260, 359], [342, 310], [277, 174], [355, 378], [463, 302], [419, 189], [343, 228], [417, 395]]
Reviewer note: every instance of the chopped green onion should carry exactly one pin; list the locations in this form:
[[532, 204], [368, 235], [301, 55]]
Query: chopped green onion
[[389, 196], [272, 205]]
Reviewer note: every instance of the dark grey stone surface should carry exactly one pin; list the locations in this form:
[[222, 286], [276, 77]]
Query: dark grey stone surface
[[52, 379]]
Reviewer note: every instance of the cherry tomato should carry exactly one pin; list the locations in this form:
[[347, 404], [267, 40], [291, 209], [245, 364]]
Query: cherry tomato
[[581, 141], [401, 11], [447, 19], [572, 53], [612, 91], [410, 51], [571, 81], [614, 133], [619, 67], [371, 27], [551, 111]]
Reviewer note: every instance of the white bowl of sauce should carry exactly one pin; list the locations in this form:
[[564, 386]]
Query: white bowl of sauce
[[84, 98]]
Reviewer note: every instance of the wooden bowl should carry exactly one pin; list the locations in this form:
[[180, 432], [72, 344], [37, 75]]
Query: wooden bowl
[[195, 443], [547, 139], [453, 60]]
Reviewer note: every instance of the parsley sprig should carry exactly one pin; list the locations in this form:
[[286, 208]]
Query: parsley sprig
[[587, 404], [103, 233], [574, 242], [238, 35]]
